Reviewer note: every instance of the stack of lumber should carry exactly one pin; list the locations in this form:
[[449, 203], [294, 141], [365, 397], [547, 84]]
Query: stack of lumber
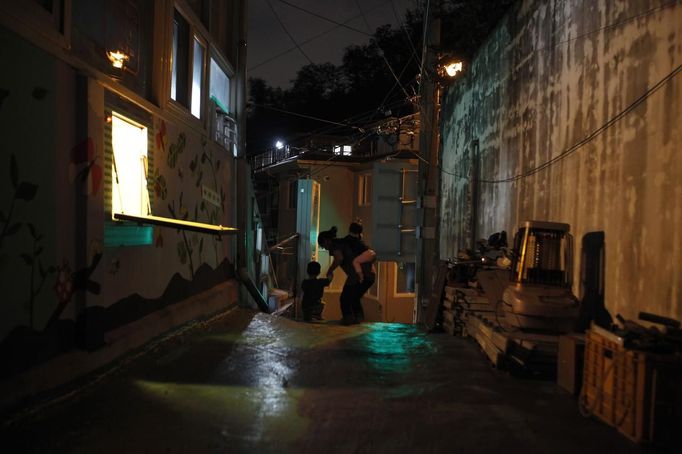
[[530, 354], [458, 305], [491, 338]]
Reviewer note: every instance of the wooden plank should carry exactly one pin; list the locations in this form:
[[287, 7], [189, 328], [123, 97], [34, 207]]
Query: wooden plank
[[476, 300], [501, 340], [462, 292], [478, 308]]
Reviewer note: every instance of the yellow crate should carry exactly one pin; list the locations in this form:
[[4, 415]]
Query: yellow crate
[[616, 385]]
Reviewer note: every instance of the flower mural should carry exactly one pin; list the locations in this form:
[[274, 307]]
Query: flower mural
[[84, 166]]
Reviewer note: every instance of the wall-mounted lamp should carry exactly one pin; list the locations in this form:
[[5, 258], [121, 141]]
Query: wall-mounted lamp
[[448, 68], [117, 58], [452, 68]]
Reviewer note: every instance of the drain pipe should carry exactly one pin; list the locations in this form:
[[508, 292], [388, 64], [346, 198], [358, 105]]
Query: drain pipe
[[242, 174], [250, 286]]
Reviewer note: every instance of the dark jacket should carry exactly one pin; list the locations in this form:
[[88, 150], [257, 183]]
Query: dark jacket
[[313, 289]]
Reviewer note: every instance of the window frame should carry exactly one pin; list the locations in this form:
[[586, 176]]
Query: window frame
[[364, 196], [119, 233], [373, 291], [223, 126], [37, 24], [396, 293], [292, 195], [116, 170], [226, 67], [197, 31]]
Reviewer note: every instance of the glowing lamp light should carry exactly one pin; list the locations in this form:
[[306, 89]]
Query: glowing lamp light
[[279, 145], [117, 58], [451, 69]]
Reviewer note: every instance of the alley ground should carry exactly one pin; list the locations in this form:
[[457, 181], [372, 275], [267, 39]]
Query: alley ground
[[258, 383]]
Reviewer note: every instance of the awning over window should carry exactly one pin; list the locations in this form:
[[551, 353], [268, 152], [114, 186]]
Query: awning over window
[[178, 224]]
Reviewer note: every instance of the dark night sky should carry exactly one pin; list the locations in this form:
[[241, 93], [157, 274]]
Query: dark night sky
[[267, 38]]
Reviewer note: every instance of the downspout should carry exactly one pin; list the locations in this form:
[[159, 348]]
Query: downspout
[[242, 175]]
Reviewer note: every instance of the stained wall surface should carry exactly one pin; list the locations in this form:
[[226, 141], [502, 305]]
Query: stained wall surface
[[576, 110]]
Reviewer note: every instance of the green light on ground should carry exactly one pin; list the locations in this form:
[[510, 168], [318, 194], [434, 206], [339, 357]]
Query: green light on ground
[[392, 347]]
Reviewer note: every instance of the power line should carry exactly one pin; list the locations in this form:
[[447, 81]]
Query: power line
[[575, 147], [381, 52], [313, 38], [591, 136], [287, 32], [309, 117], [407, 34], [611, 25], [319, 16], [425, 21]]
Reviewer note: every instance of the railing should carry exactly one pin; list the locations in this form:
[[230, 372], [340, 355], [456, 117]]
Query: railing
[[275, 156], [389, 138]]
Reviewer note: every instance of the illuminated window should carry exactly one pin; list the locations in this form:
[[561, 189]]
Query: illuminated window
[[197, 77], [186, 81], [404, 278], [219, 87], [374, 289], [365, 190], [180, 59], [129, 193], [345, 150]]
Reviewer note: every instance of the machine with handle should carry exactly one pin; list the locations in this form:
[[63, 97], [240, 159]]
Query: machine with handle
[[539, 295]]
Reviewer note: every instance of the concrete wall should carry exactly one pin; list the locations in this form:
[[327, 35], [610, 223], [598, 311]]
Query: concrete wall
[[552, 74]]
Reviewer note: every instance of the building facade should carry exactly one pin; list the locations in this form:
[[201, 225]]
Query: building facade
[[121, 124]]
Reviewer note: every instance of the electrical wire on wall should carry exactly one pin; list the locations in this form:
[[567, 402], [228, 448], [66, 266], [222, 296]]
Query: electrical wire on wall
[[591, 136]]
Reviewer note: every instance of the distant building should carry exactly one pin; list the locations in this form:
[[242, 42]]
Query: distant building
[[318, 182]]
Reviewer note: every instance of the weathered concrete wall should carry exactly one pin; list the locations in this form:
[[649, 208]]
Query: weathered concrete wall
[[552, 74]]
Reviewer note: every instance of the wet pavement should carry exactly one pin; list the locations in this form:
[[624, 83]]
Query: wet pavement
[[257, 383]]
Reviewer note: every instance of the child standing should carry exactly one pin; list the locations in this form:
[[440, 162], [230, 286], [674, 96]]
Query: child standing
[[313, 289]]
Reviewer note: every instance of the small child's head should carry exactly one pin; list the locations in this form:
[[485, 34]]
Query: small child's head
[[355, 229], [313, 269]]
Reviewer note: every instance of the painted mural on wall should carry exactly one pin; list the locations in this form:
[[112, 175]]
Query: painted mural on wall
[[577, 121], [62, 289]]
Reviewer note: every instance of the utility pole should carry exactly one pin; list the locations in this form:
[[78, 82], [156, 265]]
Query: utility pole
[[429, 166]]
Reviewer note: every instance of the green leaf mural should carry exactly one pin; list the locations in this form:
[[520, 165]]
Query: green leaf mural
[[176, 149], [22, 191]]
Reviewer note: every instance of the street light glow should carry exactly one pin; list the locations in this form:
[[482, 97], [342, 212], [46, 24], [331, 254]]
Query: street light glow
[[451, 69], [279, 145]]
